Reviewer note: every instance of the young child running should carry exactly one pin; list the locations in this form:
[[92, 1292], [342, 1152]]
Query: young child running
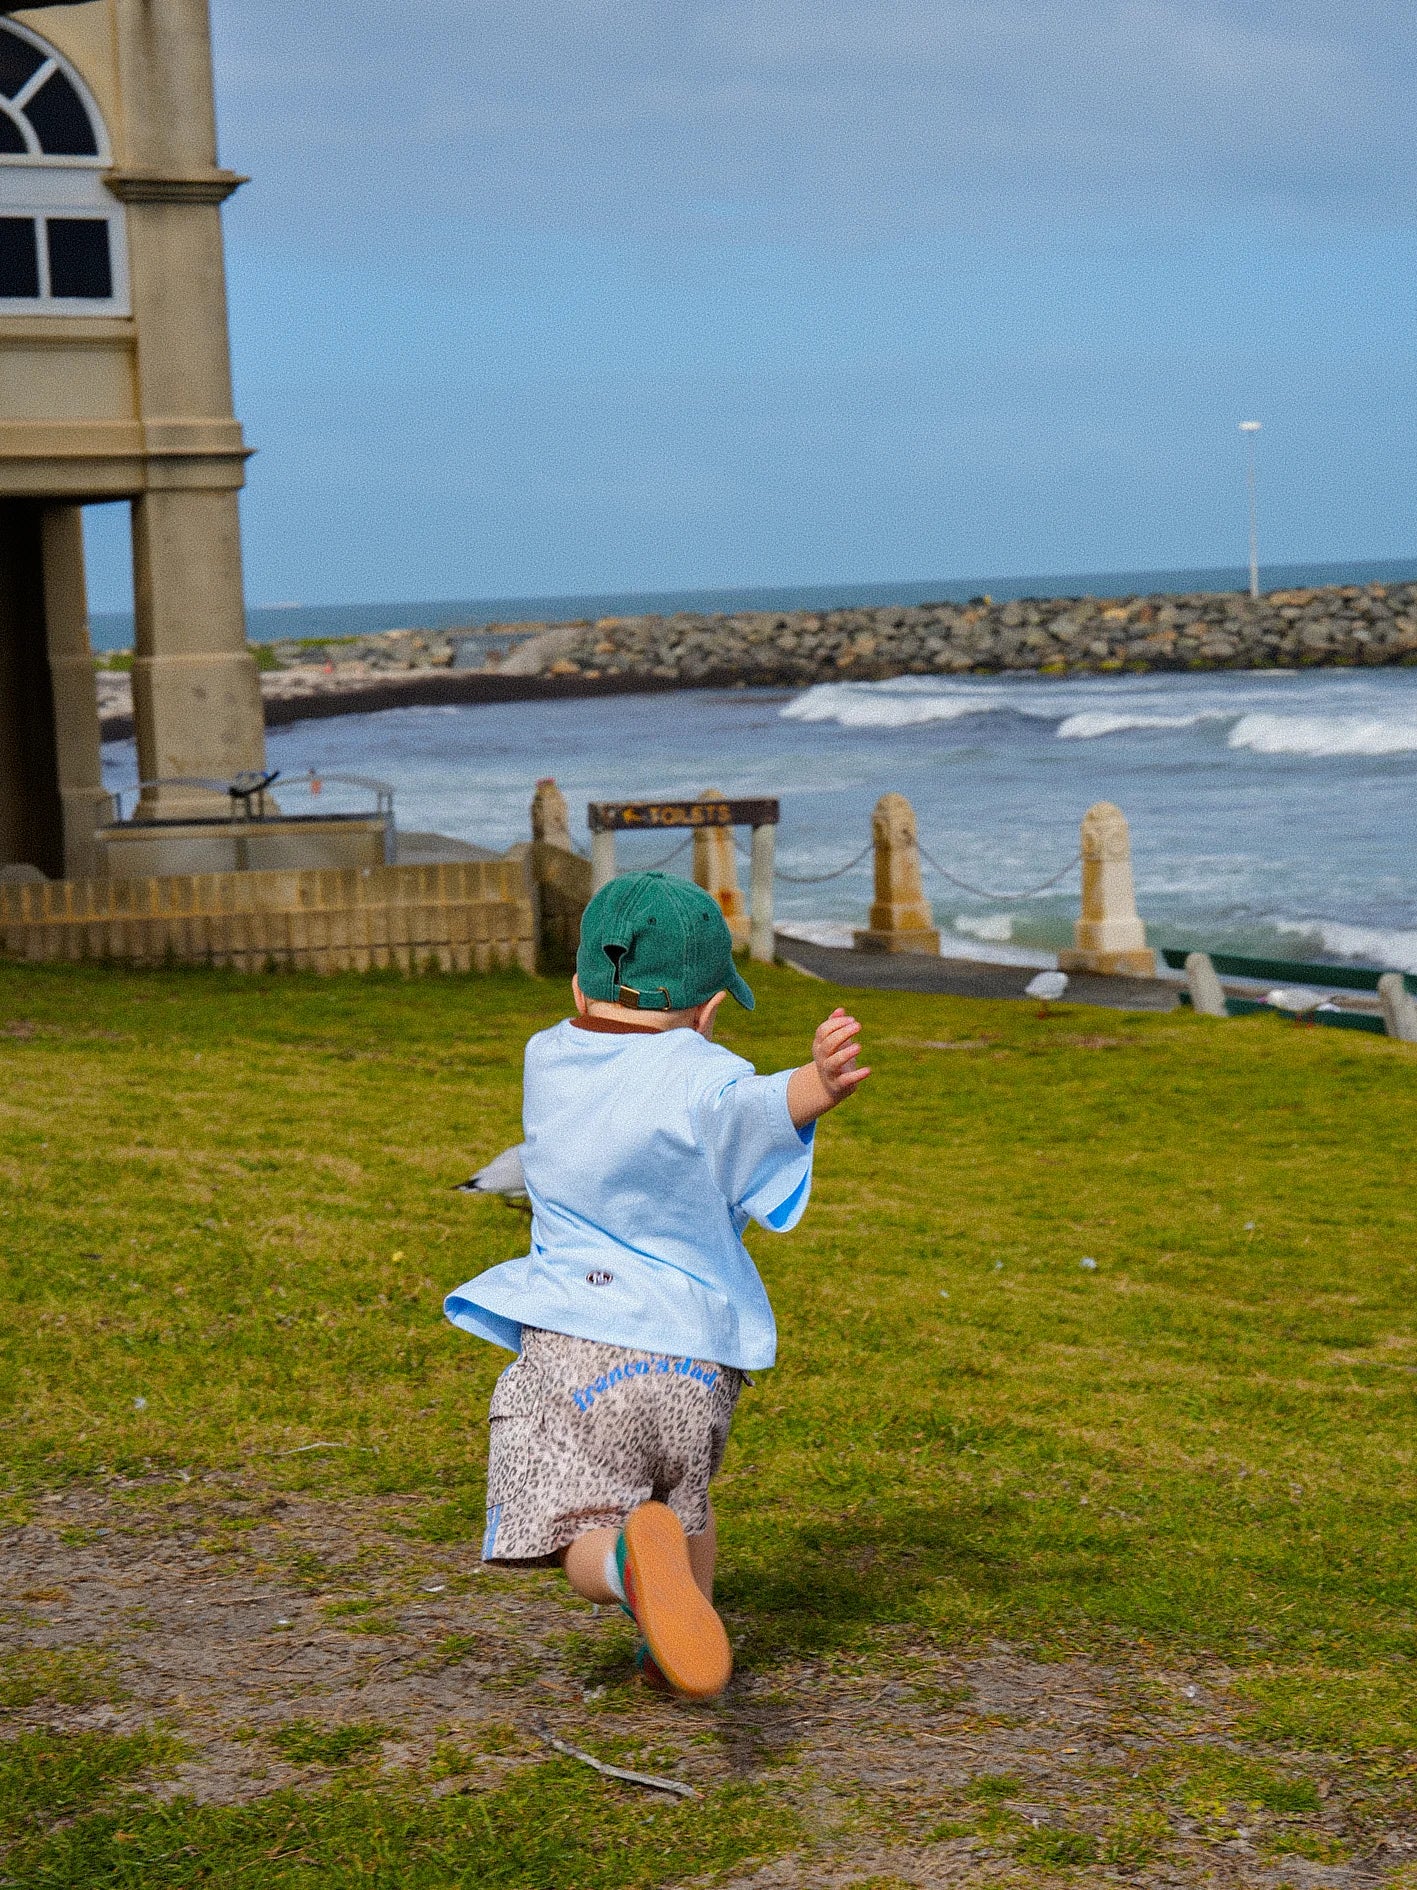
[[638, 1311]]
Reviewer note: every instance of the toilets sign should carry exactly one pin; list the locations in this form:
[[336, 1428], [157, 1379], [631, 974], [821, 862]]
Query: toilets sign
[[639, 816], [607, 818]]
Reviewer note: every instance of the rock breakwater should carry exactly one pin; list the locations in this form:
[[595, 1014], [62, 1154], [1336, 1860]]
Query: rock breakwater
[[1373, 624], [1335, 628]]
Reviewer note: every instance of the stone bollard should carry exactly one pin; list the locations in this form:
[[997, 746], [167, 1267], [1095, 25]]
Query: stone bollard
[[1399, 1007], [1109, 937], [716, 870], [561, 879], [550, 817], [901, 919], [1207, 994]]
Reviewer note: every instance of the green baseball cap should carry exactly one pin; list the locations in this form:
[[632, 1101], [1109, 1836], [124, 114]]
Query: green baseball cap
[[656, 944]]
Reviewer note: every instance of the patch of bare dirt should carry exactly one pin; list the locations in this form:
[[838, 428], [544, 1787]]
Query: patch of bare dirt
[[227, 1614]]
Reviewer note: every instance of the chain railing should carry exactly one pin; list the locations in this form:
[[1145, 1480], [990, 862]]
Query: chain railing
[[674, 814], [820, 879], [964, 885], [983, 892], [1109, 936]]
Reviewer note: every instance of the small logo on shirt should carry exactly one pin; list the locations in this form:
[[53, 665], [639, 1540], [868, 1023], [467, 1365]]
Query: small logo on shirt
[[600, 1279]]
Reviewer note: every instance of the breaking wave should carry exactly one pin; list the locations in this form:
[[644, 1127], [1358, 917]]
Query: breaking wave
[[1092, 723], [868, 705], [1348, 723], [1319, 735], [1362, 944]]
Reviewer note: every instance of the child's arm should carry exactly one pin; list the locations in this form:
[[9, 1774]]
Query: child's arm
[[832, 1074]]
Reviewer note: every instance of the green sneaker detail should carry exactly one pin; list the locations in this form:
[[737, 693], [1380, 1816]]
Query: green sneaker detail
[[620, 1571]]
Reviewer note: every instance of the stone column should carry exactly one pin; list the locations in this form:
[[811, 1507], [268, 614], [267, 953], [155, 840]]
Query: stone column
[[561, 879], [550, 817], [196, 695], [196, 692], [716, 870], [602, 860], [900, 919], [84, 802], [762, 940], [1109, 937]]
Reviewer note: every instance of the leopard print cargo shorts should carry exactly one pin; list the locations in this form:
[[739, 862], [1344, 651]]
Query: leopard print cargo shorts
[[581, 1433]]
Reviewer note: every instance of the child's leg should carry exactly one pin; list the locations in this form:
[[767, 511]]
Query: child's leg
[[703, 1553], [584, 1561]]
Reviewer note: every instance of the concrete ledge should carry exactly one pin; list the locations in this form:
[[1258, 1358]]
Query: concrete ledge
[[965, 977], [460, 916], [148, 849]]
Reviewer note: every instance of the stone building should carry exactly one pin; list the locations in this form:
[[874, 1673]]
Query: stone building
[[115, 384]]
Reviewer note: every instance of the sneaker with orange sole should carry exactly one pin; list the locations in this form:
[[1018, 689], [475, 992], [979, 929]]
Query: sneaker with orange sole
[[684, 1637], [647, 1667]]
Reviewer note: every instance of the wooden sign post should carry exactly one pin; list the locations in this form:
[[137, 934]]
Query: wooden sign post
[[607, 818]]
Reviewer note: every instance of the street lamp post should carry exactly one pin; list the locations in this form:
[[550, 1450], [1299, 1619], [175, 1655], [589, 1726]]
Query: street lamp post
[[1250, 428]]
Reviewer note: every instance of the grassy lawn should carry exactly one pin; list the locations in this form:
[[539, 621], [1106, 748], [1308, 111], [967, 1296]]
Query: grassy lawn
[[1098, 1382]]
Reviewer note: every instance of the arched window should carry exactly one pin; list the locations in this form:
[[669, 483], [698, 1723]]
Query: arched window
[[61, 233]]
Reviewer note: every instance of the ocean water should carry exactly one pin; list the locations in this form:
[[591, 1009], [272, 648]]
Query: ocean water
[[113, 630], [1271, 811]]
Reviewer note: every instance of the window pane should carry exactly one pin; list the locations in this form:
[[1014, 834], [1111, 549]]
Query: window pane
[[78, 258], [12, 141], [60, 122], [18, 61], [19, 257]]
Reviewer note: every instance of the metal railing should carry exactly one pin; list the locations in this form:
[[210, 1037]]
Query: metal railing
[[247, 793]]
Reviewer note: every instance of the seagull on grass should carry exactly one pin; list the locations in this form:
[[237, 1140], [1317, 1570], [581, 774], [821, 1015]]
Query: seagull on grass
[[503, 1175], [1298, 1002], [1047, 987]]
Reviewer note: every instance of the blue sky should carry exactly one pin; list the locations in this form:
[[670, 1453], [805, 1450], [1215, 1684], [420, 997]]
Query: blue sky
[[603, 294]]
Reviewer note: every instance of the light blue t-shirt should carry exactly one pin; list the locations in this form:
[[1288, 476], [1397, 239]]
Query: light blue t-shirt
[[646, 1156]]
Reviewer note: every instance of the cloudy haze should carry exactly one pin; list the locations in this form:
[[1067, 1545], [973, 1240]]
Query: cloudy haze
[[802, 120], [595, 296]]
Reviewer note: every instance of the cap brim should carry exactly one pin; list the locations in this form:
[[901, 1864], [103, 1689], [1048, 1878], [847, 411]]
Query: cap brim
[[738, 988]]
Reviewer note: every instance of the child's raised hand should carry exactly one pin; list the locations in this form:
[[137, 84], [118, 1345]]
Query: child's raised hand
[[832, 1074], [835, 1049]]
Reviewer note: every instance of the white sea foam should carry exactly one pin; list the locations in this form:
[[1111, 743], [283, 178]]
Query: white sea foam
[[1364, 944], [1346, 713], [1082, 709], [857, 705], [1318, 735], [1091, 723], [839, 933], [995, 927], [982, 951]]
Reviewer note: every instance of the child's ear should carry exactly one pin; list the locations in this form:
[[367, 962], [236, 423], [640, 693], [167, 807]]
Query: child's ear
[[576, 992], [704, 1018]]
